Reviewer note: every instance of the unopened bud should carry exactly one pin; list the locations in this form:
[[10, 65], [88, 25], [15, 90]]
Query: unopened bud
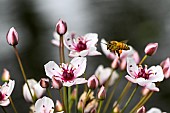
[[91, 106], [116, 107], [80, 105], [57, 82], [145, 91], [5, 75], [44, 82], [12, 37], [59, 106], [61, 27], [73, 94], [151, 49], [102, 93], [93, 82], [166, 67], [141, 110]]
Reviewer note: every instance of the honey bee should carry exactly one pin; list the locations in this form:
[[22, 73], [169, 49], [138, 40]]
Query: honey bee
[[117, 47]]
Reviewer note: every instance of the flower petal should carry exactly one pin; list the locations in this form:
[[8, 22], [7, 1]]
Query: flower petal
[[133, 80], [93, 51], [80, 64], [84, 53], [91, 38], [152, 86], [51, 68], [80, 81], [5, 102], [114, 76], [154, 110], [39, 91], [132, 68], [157, 75]]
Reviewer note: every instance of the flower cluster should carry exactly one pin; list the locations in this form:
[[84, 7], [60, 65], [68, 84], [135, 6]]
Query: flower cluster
[[65, 77]]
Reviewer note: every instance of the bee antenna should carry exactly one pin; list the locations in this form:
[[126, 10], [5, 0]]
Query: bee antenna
[[104, 43]]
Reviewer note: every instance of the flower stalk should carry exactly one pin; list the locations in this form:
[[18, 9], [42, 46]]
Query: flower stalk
[[100, 105], [3, 109], [48, 92], [130, 98], [23, 72], [13, 106]]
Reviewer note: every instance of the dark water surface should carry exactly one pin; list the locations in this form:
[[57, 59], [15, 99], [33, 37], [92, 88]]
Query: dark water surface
[[138, 21]]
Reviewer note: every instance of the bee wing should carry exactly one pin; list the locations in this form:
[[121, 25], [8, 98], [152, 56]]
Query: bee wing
[[124, 41]]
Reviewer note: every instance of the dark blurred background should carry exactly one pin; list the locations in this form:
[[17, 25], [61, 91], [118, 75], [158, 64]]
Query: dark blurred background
[[138, 21]]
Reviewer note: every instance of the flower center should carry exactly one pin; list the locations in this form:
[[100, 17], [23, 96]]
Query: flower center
[[81, 46], [1, 96], [144, 73], [68, 73]]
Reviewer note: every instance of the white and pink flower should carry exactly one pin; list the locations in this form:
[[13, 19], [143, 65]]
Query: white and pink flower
[[103, 75], [44, 105], [36, 90], [82, 45], [119, 62], [68, 73], [143, 76], [5, 91]]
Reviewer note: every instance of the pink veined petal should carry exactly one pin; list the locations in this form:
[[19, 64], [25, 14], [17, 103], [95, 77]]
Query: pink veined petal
[[132, 68], [91, 38], [39, 91], [4, 102], [79, 64], [51, 69], [84, 53], [133, 80], [105, 51], [152, 86], [157, 75]]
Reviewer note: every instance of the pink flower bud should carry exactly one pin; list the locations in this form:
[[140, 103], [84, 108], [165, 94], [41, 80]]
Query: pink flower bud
[[12, 37], [59, 106], [145, 91], [44, 82], [5, 75], [61, 27], [102, 93], [93, 82], [151, 49], [91, 106], [166, 67], [57, 82], [141, 110]]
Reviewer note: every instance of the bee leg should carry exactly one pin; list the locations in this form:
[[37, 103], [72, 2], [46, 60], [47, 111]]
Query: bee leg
[[117, 51]]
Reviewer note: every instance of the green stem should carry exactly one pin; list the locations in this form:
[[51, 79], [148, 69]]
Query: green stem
[[49, 93], [67, 91], [13, 106], [112, 93], [76, 102], [143, 59], [62, 98], [142, 102], [3, 109], [23, 72], [130, 98], [125, 90], [61, 49], [100, 105], [65, 98]]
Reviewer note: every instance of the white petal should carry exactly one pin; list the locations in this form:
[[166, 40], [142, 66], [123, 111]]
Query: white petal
[[39, 91], [133, 80], [152, 86], [26, 92], [80, 81], [84, 53], [99, 69], [68, 83], [142, 81], [80, 64], [93, 52], [114, 76], [132, 68], [70, 41], [5, 102], [158, 75], [44, 104], [74, 54], [7, 88], [91, 38], [154, 110], [109, 54], [51, 68]]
